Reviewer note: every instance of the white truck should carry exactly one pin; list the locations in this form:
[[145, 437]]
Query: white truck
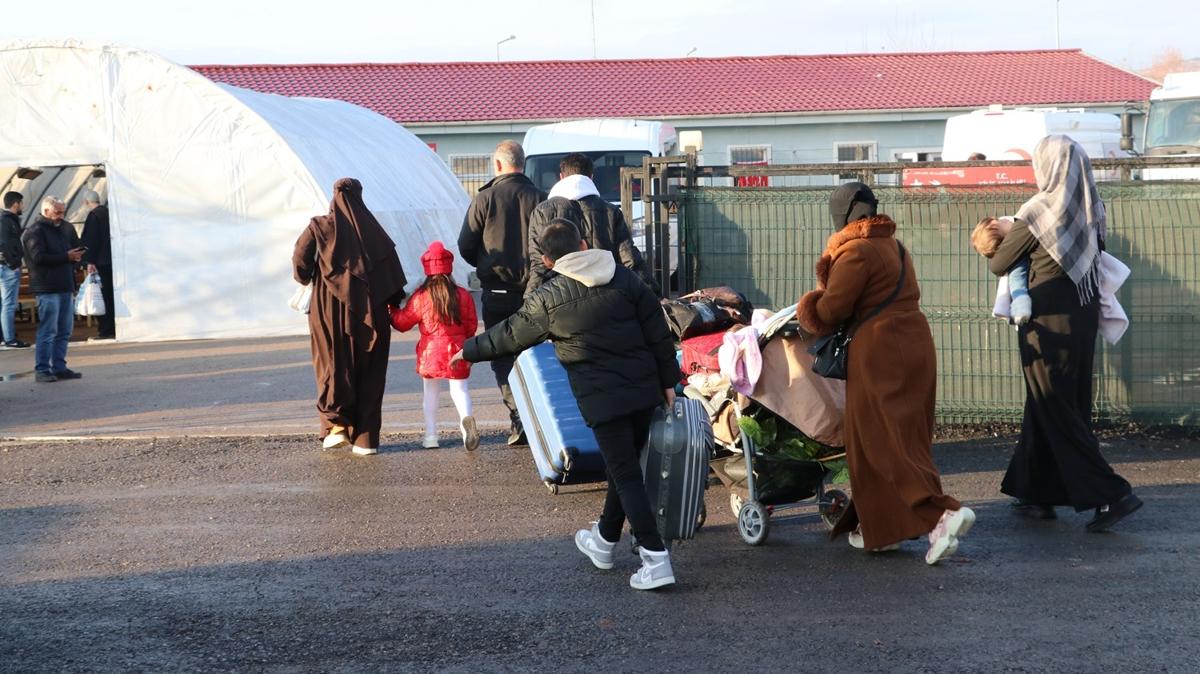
[[1173, 125], [610, 143], [1012, 133]]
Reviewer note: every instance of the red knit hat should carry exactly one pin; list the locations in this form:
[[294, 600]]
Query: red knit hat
[[437, 260]]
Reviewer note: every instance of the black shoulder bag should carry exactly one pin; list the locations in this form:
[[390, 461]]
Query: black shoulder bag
[[830, 352]]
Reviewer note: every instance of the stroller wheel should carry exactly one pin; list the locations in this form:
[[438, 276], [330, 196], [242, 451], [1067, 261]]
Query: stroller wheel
[[754, 523], [735, 503], [832, 505], [552, 487]]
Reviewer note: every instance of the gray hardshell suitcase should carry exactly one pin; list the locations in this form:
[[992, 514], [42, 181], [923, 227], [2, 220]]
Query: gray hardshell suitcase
[[675, 466]]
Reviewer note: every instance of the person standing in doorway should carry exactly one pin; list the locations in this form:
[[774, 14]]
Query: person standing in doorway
[[355, 274], [99, 258], [53, 252], [12, 256], [494, 240]]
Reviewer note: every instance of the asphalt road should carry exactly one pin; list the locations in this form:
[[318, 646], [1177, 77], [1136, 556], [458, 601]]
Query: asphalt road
[[259, 387], [266, 554]]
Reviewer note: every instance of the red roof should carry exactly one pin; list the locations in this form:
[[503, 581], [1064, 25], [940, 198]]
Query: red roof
[[689, 87]]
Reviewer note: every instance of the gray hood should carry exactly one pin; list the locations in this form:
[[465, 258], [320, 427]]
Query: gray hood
[[592, 267]]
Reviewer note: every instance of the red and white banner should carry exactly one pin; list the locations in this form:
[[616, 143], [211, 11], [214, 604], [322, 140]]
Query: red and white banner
[[975, 175]]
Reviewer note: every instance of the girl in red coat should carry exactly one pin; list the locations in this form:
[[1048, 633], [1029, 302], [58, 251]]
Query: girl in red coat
[[446, 315]]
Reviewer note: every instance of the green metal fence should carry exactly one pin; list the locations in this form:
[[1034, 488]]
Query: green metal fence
[[765, 242]]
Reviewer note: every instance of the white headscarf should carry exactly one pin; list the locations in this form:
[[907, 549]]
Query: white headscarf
[[1067, 215]]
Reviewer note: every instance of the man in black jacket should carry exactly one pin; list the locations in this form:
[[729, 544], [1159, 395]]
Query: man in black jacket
[[493, 240], [611, 336], [99, 259], [575, 197], [11, 257], [53, 251]]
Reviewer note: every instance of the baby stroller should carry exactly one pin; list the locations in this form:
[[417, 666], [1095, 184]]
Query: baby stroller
[[780, 447]]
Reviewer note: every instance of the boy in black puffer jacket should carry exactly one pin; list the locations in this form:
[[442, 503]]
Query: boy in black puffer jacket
[[612, 338]]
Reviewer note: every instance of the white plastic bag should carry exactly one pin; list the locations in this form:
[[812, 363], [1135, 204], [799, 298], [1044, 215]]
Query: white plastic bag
[[301, 298], [90, 301]]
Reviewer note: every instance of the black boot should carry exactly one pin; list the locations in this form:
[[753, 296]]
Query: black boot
[[1035, 511], [1108, 515]]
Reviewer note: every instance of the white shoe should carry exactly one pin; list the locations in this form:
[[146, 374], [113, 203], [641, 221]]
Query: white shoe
[[470, 433], [592, 544], [431, 442], [655, 572], [365, 451], [943, 540], [856, 541], [335, 441]]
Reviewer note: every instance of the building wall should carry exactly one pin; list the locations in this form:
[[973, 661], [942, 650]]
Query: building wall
[[796, 139]]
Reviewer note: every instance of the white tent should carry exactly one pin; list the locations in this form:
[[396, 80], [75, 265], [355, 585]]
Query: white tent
[[209, 185]]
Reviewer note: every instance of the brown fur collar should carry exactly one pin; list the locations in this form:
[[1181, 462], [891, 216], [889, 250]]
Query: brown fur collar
[[873, 227]]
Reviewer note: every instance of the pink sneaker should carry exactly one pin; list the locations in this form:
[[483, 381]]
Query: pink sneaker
[[943, 540]]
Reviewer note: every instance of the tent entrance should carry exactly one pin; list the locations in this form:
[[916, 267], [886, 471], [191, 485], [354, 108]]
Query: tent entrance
[[68, 183]]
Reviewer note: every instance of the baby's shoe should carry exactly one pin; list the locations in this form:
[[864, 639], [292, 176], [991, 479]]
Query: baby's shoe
[[1022, 309]]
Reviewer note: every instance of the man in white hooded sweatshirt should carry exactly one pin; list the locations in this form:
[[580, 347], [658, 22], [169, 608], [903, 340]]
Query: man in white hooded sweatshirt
[[601, 224], [612, 338]]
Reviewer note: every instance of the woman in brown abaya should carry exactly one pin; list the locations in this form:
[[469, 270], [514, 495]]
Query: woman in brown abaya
[[355, 274], [890, 385]]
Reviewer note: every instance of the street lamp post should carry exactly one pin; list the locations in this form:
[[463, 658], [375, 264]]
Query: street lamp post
[[1057, 39], [510, 37]]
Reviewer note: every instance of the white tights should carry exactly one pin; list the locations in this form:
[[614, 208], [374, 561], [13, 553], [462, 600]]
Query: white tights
[[459, 393]]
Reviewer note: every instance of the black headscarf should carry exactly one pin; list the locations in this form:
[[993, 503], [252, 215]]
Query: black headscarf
[[358, 258], [850, 202]]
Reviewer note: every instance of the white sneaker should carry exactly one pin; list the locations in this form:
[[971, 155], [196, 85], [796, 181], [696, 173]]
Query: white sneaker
[[431, 442], [943, 540], [856, 541], [365, 451], [655, 572], [592, 544], [470, 433], [335, 441]]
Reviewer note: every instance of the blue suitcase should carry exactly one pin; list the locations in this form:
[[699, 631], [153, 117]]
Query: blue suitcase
[[563, 446]]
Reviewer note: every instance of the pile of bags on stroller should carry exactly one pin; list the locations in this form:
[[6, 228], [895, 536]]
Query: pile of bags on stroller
[[777, 425]]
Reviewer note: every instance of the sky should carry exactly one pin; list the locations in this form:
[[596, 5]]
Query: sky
[[1127, 34]]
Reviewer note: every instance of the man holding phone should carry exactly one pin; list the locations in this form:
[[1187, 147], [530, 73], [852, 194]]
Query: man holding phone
[[53, 251]]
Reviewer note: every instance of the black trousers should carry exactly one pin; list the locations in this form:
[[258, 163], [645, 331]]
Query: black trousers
[[1058, 460], [497, 307], [106, 325], [621, 441]]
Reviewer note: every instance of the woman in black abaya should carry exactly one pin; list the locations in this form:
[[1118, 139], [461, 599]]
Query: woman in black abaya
[[1061, 230]]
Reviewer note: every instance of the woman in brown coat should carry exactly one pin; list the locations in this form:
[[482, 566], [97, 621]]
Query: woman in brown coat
[[355, 273], [890, 386]]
